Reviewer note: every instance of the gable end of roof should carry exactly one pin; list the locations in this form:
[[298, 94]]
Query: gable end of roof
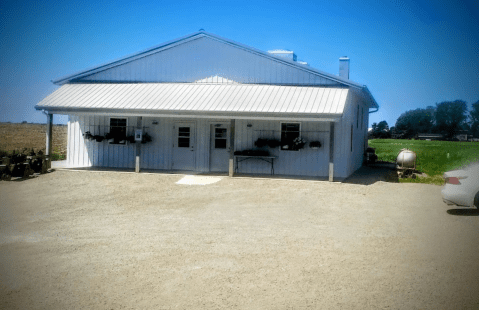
[[170, 44]]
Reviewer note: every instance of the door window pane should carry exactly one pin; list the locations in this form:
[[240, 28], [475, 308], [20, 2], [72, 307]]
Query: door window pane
[[183, 136], [183, 142], [220, 138], [220, 143], [184, 131]]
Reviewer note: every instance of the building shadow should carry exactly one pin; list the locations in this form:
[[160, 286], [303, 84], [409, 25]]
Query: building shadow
[[379, 172], [464, 212]]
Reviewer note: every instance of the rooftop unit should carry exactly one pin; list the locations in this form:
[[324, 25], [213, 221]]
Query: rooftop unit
[[284, 53]]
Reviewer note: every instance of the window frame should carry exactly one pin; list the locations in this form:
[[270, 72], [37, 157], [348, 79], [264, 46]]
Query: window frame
[[126, 127], [281, 135], [225, 138]]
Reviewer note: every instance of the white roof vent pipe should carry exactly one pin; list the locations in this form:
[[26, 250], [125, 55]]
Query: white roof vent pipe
[[344, 67], [284, 53]]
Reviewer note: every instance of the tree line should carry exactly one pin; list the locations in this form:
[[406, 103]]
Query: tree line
[[447, 118]]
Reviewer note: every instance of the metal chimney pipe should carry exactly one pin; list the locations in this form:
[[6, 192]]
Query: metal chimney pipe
[[344, 67]]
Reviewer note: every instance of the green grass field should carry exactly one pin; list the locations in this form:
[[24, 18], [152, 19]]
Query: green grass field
[[433, 157]]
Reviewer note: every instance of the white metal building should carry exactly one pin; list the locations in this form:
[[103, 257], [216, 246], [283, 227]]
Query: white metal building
[[202, 99]]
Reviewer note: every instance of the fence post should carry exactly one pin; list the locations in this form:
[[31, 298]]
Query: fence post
[[331, 151], [138, 146], [232, 148], [49, 144]]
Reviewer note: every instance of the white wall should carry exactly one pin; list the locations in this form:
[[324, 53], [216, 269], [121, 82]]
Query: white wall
[[154, 155], [158, 153], [206, 57], [84, 153], [345, 160], [305, 162]]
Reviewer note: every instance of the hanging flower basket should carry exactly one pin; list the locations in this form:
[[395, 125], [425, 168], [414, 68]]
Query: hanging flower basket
[[131, 139], [261, 142], [314, 145], [298, 144], [145, 138]]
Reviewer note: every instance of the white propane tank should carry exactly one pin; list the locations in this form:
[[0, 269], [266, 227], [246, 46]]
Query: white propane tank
[[406, 159]]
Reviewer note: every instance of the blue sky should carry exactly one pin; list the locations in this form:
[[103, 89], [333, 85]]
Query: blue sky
[[410, 54]]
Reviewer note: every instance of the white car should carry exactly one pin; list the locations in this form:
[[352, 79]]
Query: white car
[[462, 187]]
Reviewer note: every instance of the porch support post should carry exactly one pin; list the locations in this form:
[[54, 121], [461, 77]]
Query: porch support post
[[232, 148], [49, 146], [331, 151], [138, 146]]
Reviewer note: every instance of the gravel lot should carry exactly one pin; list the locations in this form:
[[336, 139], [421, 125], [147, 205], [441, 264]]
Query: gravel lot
[[110, 240]]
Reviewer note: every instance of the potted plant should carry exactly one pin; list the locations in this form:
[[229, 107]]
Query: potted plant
[[314, 145], [298, 143], [98, 138], [109, 137], [261, 142], [131, 139], [145, 138], [88, 135]]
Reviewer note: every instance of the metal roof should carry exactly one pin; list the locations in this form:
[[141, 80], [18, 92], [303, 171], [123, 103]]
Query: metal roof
[[198, 99]]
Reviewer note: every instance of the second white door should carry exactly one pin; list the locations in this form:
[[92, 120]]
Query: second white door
[[184, 147], [219, 147]]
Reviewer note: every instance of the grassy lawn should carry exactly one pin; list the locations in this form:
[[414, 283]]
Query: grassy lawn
[[433, 157]]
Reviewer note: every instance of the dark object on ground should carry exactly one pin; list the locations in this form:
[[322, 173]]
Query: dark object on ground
[[370, 156]]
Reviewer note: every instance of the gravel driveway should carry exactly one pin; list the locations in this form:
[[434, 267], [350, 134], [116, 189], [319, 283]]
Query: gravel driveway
[[109, 240]]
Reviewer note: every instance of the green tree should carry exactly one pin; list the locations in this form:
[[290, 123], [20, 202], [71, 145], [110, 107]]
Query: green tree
[[383, 125], [451, 116], [412, 122], [474, 119], [381, 130]]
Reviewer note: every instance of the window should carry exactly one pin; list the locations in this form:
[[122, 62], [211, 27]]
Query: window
[[351, 137], [289, 132], [357, 118], [183, 136], [362, 117], [118, 129], [220, 138]]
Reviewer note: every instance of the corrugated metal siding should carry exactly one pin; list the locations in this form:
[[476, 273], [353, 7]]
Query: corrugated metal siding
[[204, 57], [345, 161], [85, 153], [158, 153], [305, 162], [199, 97]]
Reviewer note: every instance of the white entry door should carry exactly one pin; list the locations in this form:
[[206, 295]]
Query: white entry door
[[219, 147], [184, 146]]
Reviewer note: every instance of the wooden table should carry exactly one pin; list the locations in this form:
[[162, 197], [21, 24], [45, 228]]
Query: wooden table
[[268, 159]]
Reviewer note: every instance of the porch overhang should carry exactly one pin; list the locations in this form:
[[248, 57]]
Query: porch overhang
[[200, 115], [189, 100]]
